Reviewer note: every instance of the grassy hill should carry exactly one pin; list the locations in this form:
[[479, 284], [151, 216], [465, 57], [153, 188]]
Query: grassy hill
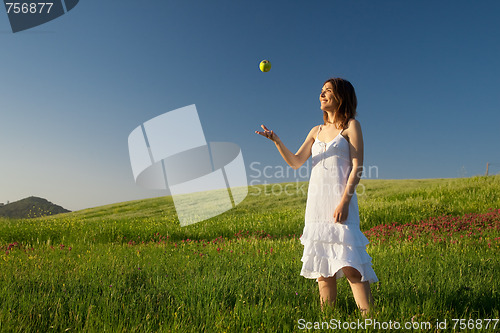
[[131, 267], [30, 207]]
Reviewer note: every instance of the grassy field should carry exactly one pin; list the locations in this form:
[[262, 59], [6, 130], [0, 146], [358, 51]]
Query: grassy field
[[129, 267]]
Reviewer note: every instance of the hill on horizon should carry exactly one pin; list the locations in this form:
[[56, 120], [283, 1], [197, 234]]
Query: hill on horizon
[[31, 207]]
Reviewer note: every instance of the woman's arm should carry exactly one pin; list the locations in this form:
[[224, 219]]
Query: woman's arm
[[356, 150], [300, 157]]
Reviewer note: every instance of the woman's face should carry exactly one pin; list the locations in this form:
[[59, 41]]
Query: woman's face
[[327, 99]]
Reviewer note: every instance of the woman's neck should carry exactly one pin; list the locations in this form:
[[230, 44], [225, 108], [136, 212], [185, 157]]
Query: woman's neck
[[330, 117]]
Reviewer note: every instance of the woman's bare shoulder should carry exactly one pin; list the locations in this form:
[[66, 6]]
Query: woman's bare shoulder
[[313, 131], [353, 129], [353, 123]]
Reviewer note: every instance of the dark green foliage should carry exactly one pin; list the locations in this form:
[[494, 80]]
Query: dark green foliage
[[30, 207]]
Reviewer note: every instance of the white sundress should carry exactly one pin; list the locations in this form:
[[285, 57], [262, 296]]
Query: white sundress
[[329, 246]]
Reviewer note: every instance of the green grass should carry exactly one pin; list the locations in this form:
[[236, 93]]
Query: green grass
[[130, 267], [387, 201]]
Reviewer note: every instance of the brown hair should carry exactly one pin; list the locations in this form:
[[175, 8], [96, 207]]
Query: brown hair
[[344, 93]]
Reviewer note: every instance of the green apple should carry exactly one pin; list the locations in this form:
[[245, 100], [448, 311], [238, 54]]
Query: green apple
[[265, 66]]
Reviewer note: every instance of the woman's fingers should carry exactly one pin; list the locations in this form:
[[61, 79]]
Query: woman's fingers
[[261, 133], [341, 212], [267, 133], [339, 216]]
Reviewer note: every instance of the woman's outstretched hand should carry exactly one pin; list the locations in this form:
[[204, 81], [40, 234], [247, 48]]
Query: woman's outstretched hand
[[268, 134]]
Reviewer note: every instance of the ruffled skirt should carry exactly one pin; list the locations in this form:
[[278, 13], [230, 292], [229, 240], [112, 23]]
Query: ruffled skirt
[[330, 246]]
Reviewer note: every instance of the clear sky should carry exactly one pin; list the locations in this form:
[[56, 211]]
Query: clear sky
[[426, 73]]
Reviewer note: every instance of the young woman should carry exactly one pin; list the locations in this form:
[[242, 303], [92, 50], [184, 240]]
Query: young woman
[[334, 245]]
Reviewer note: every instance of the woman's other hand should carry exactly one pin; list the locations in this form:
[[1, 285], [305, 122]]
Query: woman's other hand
[[341, 212]]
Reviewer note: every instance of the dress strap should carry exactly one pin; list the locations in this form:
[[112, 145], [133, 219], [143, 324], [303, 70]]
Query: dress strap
[[319, 130]]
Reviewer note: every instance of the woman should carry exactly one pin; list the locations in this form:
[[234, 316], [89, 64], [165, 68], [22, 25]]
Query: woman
[[334, 245]]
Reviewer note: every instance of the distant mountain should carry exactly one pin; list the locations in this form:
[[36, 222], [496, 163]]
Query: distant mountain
[[30, 207]]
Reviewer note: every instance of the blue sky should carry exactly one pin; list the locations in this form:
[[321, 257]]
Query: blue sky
[[427, 76]]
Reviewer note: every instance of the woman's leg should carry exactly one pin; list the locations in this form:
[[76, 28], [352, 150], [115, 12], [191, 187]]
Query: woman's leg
[[361, 290], [327, 290]]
